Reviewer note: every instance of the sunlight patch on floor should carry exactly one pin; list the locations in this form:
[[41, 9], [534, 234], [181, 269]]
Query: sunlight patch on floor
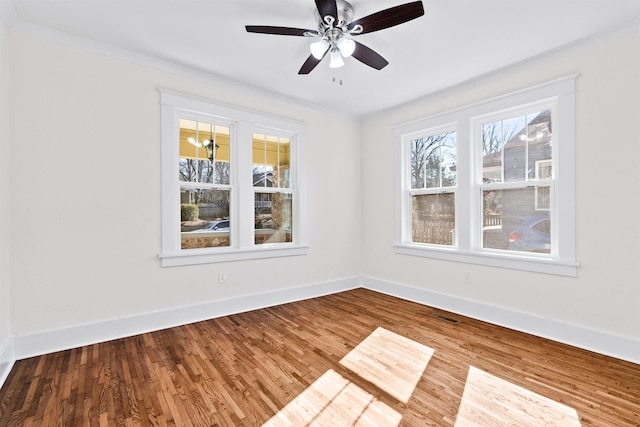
[[490, 401], [332, 400], [390, 361]]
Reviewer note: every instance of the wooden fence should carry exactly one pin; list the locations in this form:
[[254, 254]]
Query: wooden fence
[[435, 232], [440, 231]]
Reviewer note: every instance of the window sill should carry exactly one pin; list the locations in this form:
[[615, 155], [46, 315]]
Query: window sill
[[207, 256], [517, 262]]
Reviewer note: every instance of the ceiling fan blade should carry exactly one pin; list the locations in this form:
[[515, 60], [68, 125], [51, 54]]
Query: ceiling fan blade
[[309, 64], [327, 7], [369, 57], [282, 31], [389, 17]]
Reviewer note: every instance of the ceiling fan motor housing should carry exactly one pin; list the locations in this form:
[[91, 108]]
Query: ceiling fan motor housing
[[345, 15]]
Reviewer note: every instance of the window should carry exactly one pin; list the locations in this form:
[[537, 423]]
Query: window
[[513, 147], [205, 184], [232, 183], [492, 183], [433, 183], [273, 194]]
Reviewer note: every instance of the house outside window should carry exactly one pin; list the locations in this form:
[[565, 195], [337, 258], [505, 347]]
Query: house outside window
[[513, 147], [491, 175], [233, 183]]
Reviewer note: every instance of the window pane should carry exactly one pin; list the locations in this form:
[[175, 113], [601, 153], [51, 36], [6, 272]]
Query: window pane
[[204, 152], [204, 218], [539, 145], [271, 161], [512, 148], [433, 218], [273, 218], [511, 221], [433, 161], [492, 152]]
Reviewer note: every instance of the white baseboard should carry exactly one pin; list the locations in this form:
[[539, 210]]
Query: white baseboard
[[7, 359], [21, 347], [63, 339], [577, 336]]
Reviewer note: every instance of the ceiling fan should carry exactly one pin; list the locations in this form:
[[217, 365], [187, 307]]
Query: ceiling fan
[[335, 28]]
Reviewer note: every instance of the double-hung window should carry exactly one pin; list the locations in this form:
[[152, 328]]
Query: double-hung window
[[433, 187], [273, 192], [517, 180], [233, 183], [492, 183]]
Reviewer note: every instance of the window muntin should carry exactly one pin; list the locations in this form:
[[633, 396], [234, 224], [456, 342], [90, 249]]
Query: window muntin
[[271, 160], [204, 152]]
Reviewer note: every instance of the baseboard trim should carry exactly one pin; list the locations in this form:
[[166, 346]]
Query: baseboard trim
[[21, 347], [574, 335], [7, 359], [63, 339]]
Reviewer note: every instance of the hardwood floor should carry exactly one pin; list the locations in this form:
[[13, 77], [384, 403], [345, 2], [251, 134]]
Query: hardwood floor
[[354, 358]]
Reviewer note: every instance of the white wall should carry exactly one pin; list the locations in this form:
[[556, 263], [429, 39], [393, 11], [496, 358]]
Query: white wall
[[5, 295], [85, 195], [605, 296], [85, 141]]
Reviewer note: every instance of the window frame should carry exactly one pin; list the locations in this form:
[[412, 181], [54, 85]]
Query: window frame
[[276, 189], [557, 94], [242, 123], [453, 189]]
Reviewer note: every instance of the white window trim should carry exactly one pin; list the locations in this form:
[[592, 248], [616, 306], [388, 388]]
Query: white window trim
[[242, 123], [560, 93]]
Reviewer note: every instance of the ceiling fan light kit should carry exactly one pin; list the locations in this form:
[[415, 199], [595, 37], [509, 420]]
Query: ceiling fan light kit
[[335, 29]]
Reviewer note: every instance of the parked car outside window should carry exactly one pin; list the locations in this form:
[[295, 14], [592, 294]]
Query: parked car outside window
[[533, 234], [222, 225]]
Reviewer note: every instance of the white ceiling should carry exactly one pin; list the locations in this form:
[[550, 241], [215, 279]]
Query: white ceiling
[[455, 41]]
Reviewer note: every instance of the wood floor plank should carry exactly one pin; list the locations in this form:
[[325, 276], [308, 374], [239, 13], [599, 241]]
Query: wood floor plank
[[281, 366]]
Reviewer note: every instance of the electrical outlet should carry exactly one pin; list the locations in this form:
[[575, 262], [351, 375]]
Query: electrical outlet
[[222, 277]]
